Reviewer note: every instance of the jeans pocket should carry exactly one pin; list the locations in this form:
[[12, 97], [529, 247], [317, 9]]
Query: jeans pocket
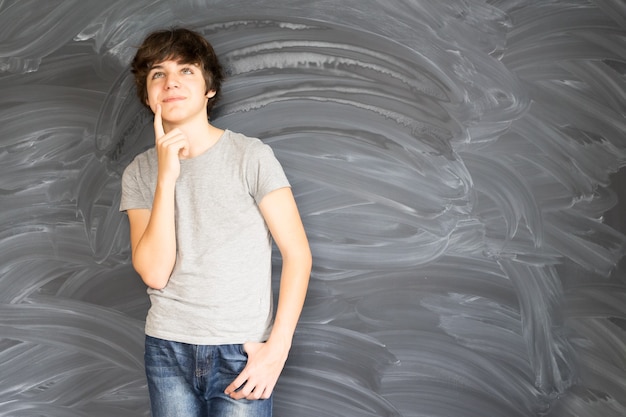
[[232, 359]]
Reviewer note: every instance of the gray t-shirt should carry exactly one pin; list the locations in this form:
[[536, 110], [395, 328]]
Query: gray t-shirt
[[220, 289]]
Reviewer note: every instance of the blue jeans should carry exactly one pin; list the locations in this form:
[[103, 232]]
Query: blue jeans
[[189, 380]]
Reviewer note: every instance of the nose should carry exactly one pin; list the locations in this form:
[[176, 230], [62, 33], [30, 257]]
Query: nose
[[171, 81]]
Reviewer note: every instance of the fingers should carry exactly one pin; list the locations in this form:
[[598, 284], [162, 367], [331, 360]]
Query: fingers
[[170, 148], [242, 388], [259, 376], [159, 131], [173, 144], [175, 139], [231, 390], [180, 143]]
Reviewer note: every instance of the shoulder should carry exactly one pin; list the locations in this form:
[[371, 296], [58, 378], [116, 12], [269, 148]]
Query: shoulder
[[242, 141], [144, 163], [248, 149]]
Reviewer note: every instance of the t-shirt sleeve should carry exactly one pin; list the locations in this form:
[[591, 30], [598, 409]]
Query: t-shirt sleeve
[[264, 172], [133, 193]]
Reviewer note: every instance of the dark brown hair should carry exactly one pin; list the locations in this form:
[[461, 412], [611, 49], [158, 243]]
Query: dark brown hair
[[184, 46]]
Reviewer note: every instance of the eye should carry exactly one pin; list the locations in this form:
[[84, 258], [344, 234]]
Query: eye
[[157, 74], [187, 71]]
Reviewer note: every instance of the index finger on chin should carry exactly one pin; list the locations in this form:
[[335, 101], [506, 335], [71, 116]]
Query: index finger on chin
[[158, 123]]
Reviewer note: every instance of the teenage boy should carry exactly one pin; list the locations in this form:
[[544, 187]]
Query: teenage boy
[[203, 206]]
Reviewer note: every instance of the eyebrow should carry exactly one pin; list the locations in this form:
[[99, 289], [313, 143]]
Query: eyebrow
[[155, 66], [180, 63]]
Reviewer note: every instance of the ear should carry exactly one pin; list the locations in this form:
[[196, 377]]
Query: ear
[[210, 94]]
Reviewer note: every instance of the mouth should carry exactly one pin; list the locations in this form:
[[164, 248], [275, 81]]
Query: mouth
[[173, 99]]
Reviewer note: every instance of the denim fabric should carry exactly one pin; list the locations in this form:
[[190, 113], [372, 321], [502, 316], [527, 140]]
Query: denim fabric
[[189, 380]]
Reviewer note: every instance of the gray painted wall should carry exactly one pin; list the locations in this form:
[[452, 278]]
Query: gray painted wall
[[457, 166]]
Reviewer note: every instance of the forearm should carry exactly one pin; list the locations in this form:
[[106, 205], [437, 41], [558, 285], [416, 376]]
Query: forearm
[[292, 293], [154, 255]]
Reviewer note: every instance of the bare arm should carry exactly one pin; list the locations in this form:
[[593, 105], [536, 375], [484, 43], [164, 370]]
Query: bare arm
[[153, 239], [152, 232], [266, 360]]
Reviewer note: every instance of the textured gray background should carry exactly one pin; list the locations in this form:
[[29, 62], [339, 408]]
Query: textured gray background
[[457, 166]]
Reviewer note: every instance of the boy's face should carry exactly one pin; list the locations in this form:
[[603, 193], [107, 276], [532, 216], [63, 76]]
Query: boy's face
[[179, 88]]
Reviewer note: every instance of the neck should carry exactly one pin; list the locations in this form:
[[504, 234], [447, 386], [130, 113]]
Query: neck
[[201, 135]]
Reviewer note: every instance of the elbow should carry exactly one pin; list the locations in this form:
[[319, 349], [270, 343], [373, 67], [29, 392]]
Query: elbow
[[155, 279], [155, 284], [307, 261], [307, 257], [301, 258]]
